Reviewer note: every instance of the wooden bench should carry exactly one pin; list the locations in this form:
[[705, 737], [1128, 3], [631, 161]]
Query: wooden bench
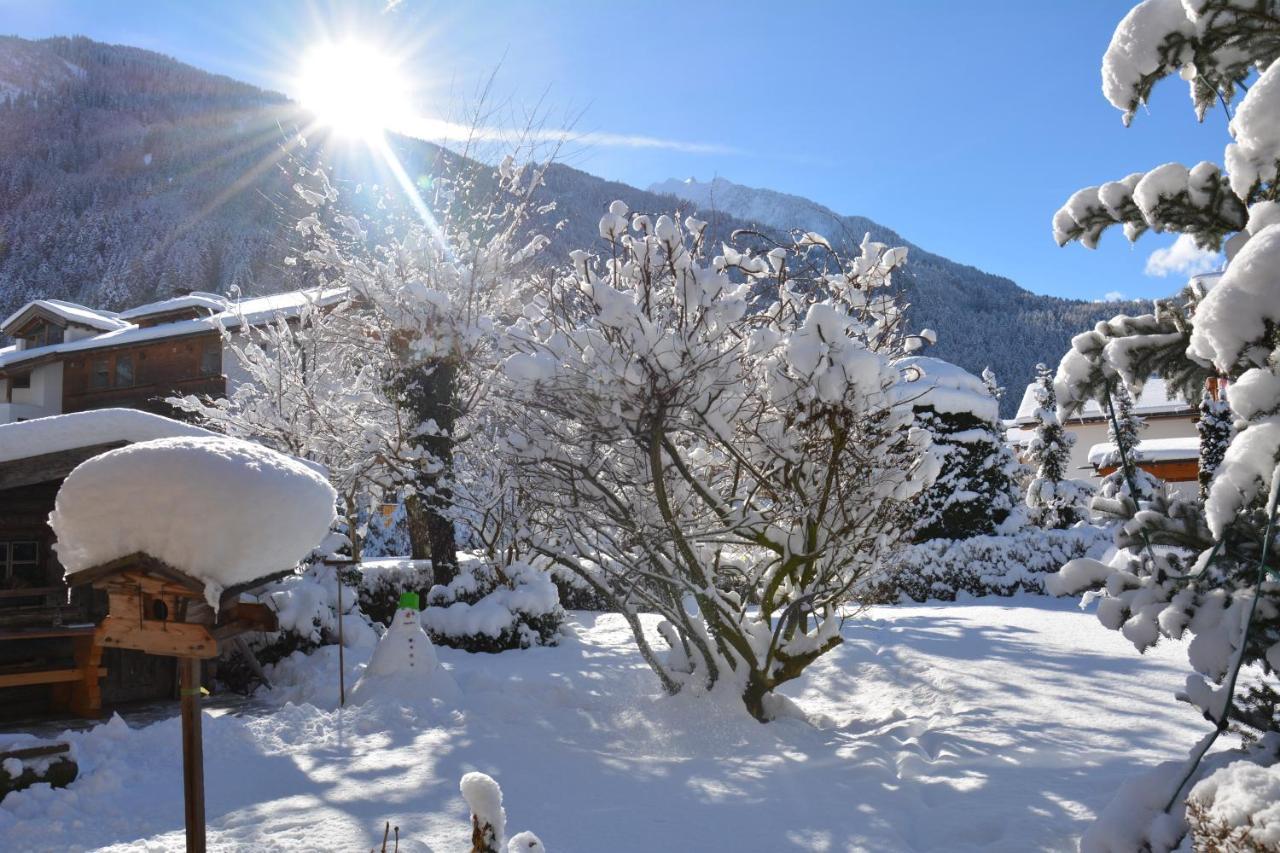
[[75, 688]]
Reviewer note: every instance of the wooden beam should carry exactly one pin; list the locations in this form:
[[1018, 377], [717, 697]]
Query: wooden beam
[[49, 467], [192, 754], [46, 676], [174, 639]]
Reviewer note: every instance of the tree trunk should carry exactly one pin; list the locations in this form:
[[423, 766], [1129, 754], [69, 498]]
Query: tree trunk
[[429, 390]]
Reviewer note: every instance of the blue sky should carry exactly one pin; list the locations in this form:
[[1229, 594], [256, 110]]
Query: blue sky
[[961, 125]]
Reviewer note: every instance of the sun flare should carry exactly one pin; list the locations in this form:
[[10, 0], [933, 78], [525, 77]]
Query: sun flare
[[353, 88]]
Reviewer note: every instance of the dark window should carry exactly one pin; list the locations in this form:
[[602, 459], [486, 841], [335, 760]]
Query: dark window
[[124, 370], [100, 373], [211, 358], [21, 380], [20, 565], [53, 335]]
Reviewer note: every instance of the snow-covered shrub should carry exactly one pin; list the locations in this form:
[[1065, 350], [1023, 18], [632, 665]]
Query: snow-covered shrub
[[386, 536], [1236, 808], [306, 605], [664, 418], [382, 582], [487, 608], [989, 565], [977, 488]]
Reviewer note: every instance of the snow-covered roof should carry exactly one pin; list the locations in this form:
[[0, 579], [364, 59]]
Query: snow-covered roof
[[71, 312], [1018, 436], [255, 310], [1154, 400], [210, 301], [944, 386], [54, 434], [221, 510], [1151, 450]]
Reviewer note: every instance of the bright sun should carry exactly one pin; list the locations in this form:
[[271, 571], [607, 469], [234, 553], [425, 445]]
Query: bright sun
[[353, 88]]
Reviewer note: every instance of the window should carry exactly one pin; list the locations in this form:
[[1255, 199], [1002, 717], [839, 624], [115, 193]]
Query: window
[[124, 370], [100, 373], [20, 380], [42, 334], [211, 358], [20, 565]]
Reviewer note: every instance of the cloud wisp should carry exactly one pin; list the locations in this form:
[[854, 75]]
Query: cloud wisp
[[1184, 257], [439, 130]]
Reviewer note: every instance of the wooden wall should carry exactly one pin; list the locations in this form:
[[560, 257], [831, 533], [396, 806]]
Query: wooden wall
[[160, 369]]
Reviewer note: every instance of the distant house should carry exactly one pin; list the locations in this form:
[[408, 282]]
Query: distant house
[[1169, 447], [69, 358]]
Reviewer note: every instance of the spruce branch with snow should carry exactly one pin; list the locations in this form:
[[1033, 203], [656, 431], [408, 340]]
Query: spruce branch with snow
[[671, 431], [1213, 583]]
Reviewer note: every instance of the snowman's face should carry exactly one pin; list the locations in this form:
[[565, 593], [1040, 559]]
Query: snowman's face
[[407, 616]]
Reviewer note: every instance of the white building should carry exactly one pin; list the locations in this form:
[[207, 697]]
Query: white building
[[1169, 446]]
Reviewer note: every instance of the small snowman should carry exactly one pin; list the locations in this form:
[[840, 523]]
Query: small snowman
[[404, 663]]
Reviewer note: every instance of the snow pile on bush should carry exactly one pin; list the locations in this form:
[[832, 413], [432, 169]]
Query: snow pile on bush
[[486, 609], [1235, 805], [489, 818], [306, 605], [382, 582], [989, 565], [222, 510], [1236, 808]]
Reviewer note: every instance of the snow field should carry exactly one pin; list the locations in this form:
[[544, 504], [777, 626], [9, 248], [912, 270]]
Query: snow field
[[994, 725]]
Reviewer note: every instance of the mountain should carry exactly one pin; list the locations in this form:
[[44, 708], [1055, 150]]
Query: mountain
[[126, 176], [972, 311]]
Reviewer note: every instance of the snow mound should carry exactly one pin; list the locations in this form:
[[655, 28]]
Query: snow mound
[[404, 667], [222, 510], [484, 798], [948, 389], [1242, 800]]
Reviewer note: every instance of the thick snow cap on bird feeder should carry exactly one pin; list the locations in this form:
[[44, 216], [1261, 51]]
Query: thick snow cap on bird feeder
[[220, 510]]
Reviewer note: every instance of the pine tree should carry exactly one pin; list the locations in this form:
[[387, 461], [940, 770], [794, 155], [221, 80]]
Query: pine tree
[[1123, 432], [978, 488], [1055, 500], [1210, 579], [1214, 427]]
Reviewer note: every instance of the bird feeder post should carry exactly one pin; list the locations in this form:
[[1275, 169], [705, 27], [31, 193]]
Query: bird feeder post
[[342, 663], [192, 754]]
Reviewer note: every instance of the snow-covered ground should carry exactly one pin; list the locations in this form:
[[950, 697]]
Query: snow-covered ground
[[994, 724]]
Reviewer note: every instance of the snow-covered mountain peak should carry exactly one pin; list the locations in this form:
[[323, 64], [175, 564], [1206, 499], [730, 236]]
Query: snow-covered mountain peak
[[753, 204]]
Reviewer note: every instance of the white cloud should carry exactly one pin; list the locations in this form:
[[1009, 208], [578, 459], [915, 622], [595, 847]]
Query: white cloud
[[1184, 257], [1111, 296], [437, 130]]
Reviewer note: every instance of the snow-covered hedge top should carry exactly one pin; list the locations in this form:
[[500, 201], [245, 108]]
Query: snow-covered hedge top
[[1150, 450], [85, 429], [222, 510], [945, 387]]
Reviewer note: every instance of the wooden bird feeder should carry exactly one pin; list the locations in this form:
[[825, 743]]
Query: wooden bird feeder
[[160, 610]]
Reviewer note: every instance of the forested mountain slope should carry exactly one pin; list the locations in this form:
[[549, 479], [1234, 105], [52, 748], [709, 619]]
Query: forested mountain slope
[[126, 176]]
